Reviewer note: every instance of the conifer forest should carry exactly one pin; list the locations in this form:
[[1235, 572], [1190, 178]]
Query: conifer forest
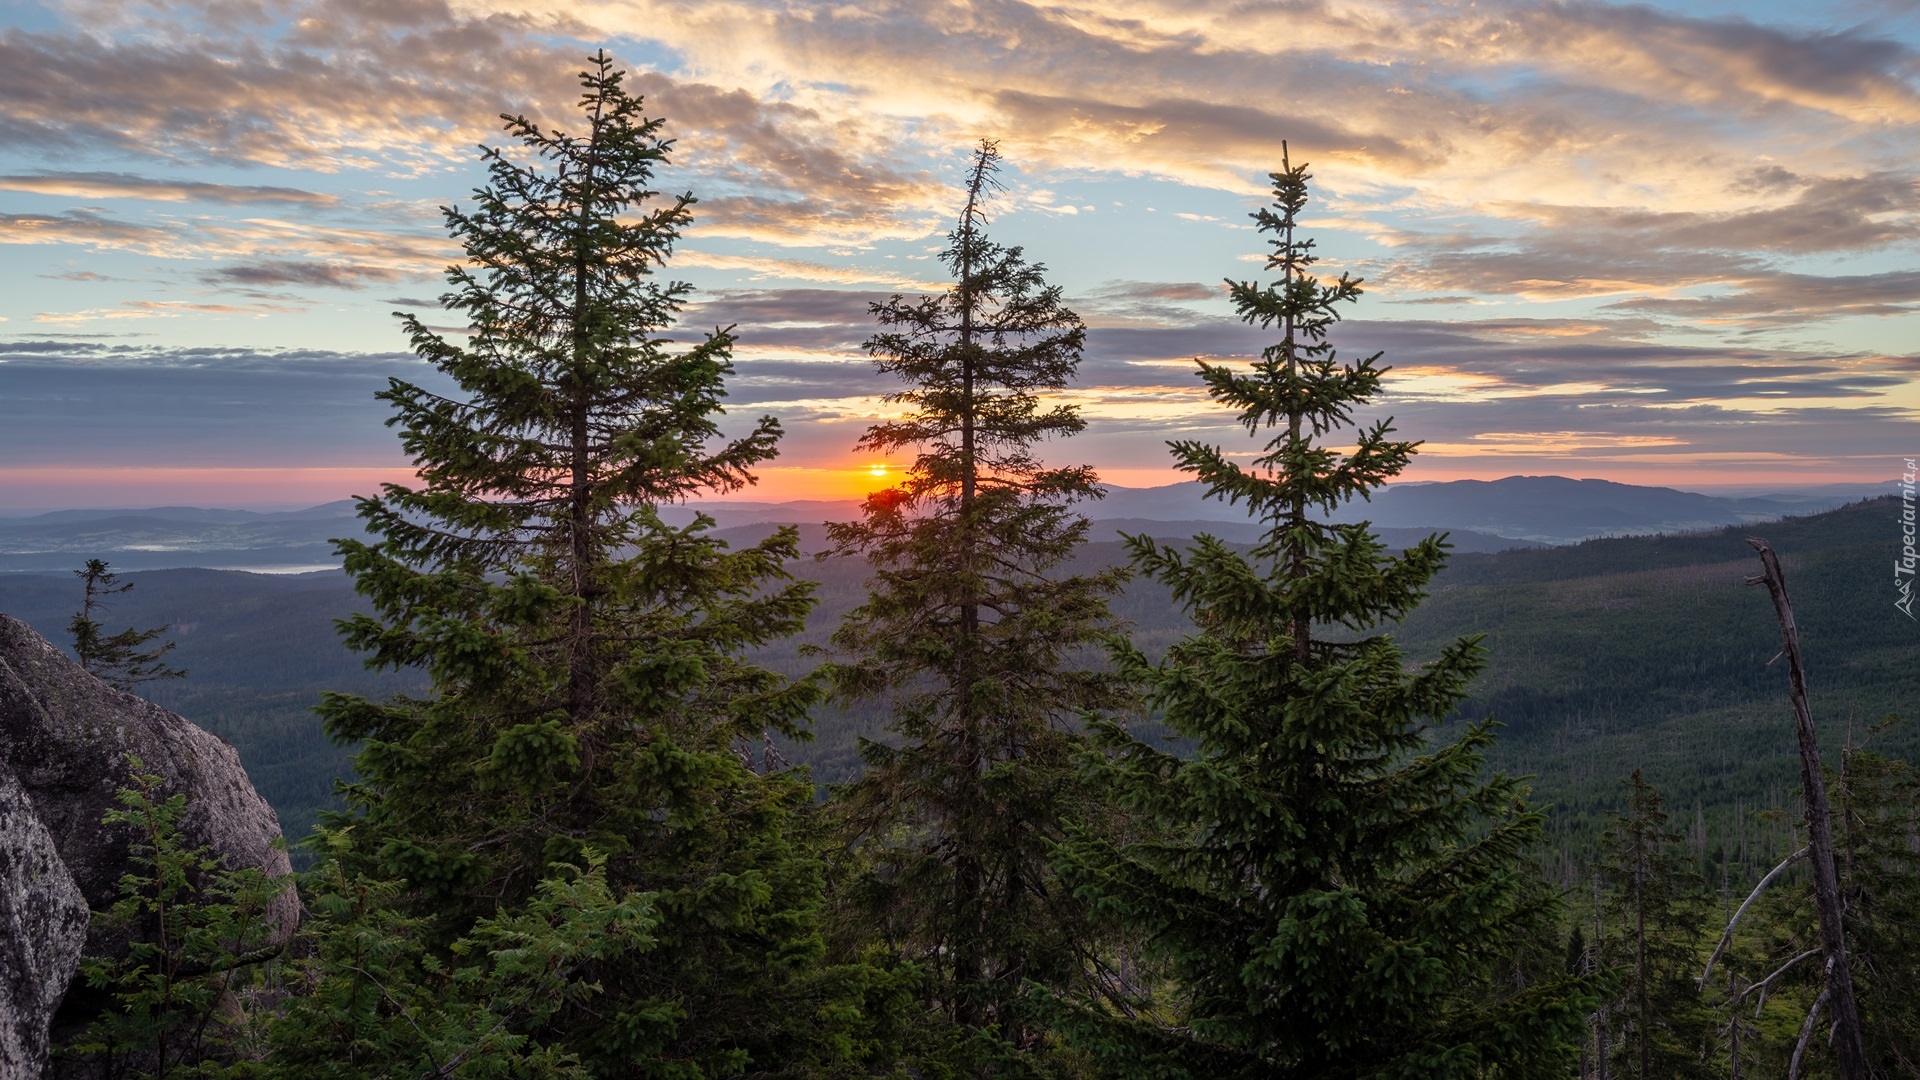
[[1272, 845]]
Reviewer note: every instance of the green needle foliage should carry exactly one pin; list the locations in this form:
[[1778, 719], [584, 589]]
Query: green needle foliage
[[380, 1001], [590, 705], [1661, 1026], [1336, 893], [172, 999], [969, 634], [116, 659]]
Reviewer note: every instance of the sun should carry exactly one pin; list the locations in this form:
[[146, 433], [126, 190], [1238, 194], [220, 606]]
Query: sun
[[879, 471]]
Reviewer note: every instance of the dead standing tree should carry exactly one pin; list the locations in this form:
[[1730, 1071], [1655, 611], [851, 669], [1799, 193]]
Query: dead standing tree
[[1838, 994]]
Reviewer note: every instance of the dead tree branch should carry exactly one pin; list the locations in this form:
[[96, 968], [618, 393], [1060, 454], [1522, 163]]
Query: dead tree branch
[[1848, 1051], [1806, 1032], [1764, 983], [1727, 937]]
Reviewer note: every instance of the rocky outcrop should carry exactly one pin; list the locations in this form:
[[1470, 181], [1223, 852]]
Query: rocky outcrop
[[66, 734], [65, 737], [43, 926]]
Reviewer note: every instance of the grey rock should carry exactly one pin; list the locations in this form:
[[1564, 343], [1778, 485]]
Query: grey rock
[[66, 734], [43, 926]]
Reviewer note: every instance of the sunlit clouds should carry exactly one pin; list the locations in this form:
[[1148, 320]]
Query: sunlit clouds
[[1631, 241]]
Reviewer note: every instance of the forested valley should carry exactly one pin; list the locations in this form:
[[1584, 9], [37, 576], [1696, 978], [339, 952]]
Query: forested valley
[[960, 789]]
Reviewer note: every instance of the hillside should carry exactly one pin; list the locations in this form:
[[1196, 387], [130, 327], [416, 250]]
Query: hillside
[[259, 650], [1653, 653], [1604, 656], [1613, 654]]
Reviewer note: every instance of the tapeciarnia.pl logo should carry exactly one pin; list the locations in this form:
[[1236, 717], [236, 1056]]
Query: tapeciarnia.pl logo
[[1903, 567]]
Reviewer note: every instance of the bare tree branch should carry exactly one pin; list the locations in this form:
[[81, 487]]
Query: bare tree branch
[[1727, 938], [1762, 984], [1806, 1032]]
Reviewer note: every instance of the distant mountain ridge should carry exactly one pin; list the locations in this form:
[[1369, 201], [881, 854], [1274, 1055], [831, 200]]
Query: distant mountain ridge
[[215, 515], [1484, 515], [1539, 509], [167, 537], [1558, 510]]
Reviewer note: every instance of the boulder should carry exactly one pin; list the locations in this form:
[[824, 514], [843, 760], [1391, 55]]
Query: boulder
[[43, 927], [65, 735]]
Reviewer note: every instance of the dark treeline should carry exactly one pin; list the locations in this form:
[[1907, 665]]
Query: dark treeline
[[1246, 818]]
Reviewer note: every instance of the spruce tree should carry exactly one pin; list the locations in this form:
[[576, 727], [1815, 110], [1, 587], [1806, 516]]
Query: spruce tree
[[1338, 890], [1661, 1026], [115, 659], [590, 705], [971, 634], [193, 929]]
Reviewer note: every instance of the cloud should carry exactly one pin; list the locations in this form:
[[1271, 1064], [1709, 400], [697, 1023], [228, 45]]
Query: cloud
[[1143, 303], [1830, 214], [101, 185], [411, 87], [66, 402], [762, 267], [290, 272], [83, 227], [277, 245], [154, 309], [806, 343], [811, 128], [1506, 94], [80, 275], [1849, 74], [782, 173], [349, 85], [1172, 135], [65, 351], [1657, 256], [1791, 299]]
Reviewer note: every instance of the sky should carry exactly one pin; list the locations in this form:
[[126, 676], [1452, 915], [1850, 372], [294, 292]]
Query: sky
[[1665, 244]]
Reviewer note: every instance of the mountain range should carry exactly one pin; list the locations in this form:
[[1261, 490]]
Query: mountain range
[[1481, 515], [1537, 509]]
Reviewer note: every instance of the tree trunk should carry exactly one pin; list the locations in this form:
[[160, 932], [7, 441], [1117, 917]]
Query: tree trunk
[[1603, 1049], [1641, 1008], [581, 674], [1297, 513], [1733, 1027], [969, 876], [1847, 1048]]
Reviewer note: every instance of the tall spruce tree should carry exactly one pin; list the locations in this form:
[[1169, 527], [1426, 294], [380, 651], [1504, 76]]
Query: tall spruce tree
[[1339, 892], [970, 634], [588, 695], [1660, 1024]]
